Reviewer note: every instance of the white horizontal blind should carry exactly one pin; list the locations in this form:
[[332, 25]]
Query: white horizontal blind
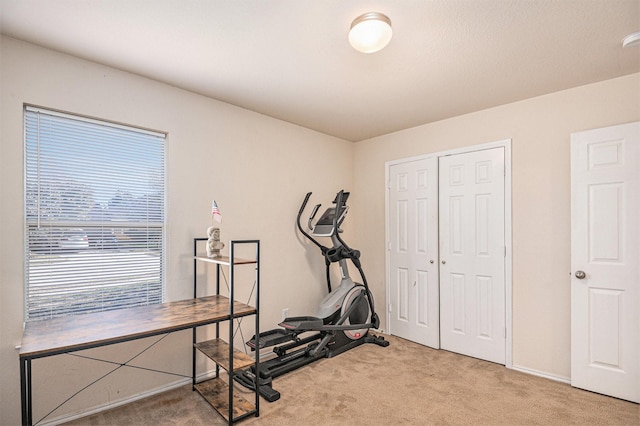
[[94, 215]]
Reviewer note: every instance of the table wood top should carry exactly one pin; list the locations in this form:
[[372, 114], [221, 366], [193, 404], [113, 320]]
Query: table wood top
[[72, 333]]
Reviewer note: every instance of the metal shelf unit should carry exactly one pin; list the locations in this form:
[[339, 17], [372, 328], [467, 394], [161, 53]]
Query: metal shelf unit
[[220, 393]]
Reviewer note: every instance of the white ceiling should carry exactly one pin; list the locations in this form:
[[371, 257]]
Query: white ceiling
[[291, 59]]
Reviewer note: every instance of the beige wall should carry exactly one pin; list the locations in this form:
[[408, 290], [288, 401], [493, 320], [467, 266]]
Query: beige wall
[[540, 130], [256, 167]]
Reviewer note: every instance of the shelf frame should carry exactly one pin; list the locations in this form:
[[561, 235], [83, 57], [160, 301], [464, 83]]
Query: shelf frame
[[232, 406]]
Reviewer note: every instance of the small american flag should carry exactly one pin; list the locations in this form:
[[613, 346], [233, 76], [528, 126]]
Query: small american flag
[[215, 211]]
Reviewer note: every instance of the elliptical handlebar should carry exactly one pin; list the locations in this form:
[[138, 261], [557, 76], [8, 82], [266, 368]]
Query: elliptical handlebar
[[313, 215], [313, 240], [339, 204]]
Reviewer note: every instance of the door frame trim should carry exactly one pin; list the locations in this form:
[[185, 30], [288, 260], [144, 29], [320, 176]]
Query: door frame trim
[[506, 144]]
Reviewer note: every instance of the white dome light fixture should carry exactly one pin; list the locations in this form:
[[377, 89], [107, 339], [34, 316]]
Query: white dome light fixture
[[631, 40], [370, 32]]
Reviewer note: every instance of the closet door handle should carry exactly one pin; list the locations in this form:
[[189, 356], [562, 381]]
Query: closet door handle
[[444, 261]]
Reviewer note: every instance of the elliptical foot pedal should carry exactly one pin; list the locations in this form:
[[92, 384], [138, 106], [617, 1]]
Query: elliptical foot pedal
[[271, 338], [302, 323]]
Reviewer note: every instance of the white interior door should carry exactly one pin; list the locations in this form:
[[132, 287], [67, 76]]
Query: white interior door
[[472, 254], [605, 258], [413, 251]]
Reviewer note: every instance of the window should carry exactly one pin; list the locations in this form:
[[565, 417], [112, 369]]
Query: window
[[94, 215]]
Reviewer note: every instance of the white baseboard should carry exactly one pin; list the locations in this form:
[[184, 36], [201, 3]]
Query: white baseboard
[[555, 378]]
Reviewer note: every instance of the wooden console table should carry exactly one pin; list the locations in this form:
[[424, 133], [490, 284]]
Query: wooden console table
[[69, 334]]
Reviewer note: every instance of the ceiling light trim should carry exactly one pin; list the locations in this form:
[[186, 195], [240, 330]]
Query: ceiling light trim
[[370, 32]]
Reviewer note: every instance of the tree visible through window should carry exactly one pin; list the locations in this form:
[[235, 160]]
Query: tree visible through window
[[94, 215]]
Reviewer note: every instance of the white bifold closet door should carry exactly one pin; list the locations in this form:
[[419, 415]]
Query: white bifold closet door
[[472, 254], [413, 248], [447, 253]]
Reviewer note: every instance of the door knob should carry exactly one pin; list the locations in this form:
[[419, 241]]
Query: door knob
[[444, 261], [431, 261], [580, 275]]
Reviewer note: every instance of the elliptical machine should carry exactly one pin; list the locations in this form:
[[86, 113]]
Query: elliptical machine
[[342, 321]]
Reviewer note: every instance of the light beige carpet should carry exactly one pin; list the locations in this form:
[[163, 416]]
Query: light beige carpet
[[404, 383]]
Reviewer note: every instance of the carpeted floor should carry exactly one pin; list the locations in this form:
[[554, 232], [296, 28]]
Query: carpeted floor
[[404, 383]]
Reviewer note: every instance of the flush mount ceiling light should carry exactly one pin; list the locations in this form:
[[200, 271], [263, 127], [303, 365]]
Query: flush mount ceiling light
[[631, 40], [370, 32]]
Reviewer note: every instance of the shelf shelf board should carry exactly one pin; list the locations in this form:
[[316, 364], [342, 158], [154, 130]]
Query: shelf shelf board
[[218, 351], [224, 260], [216, 392]]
